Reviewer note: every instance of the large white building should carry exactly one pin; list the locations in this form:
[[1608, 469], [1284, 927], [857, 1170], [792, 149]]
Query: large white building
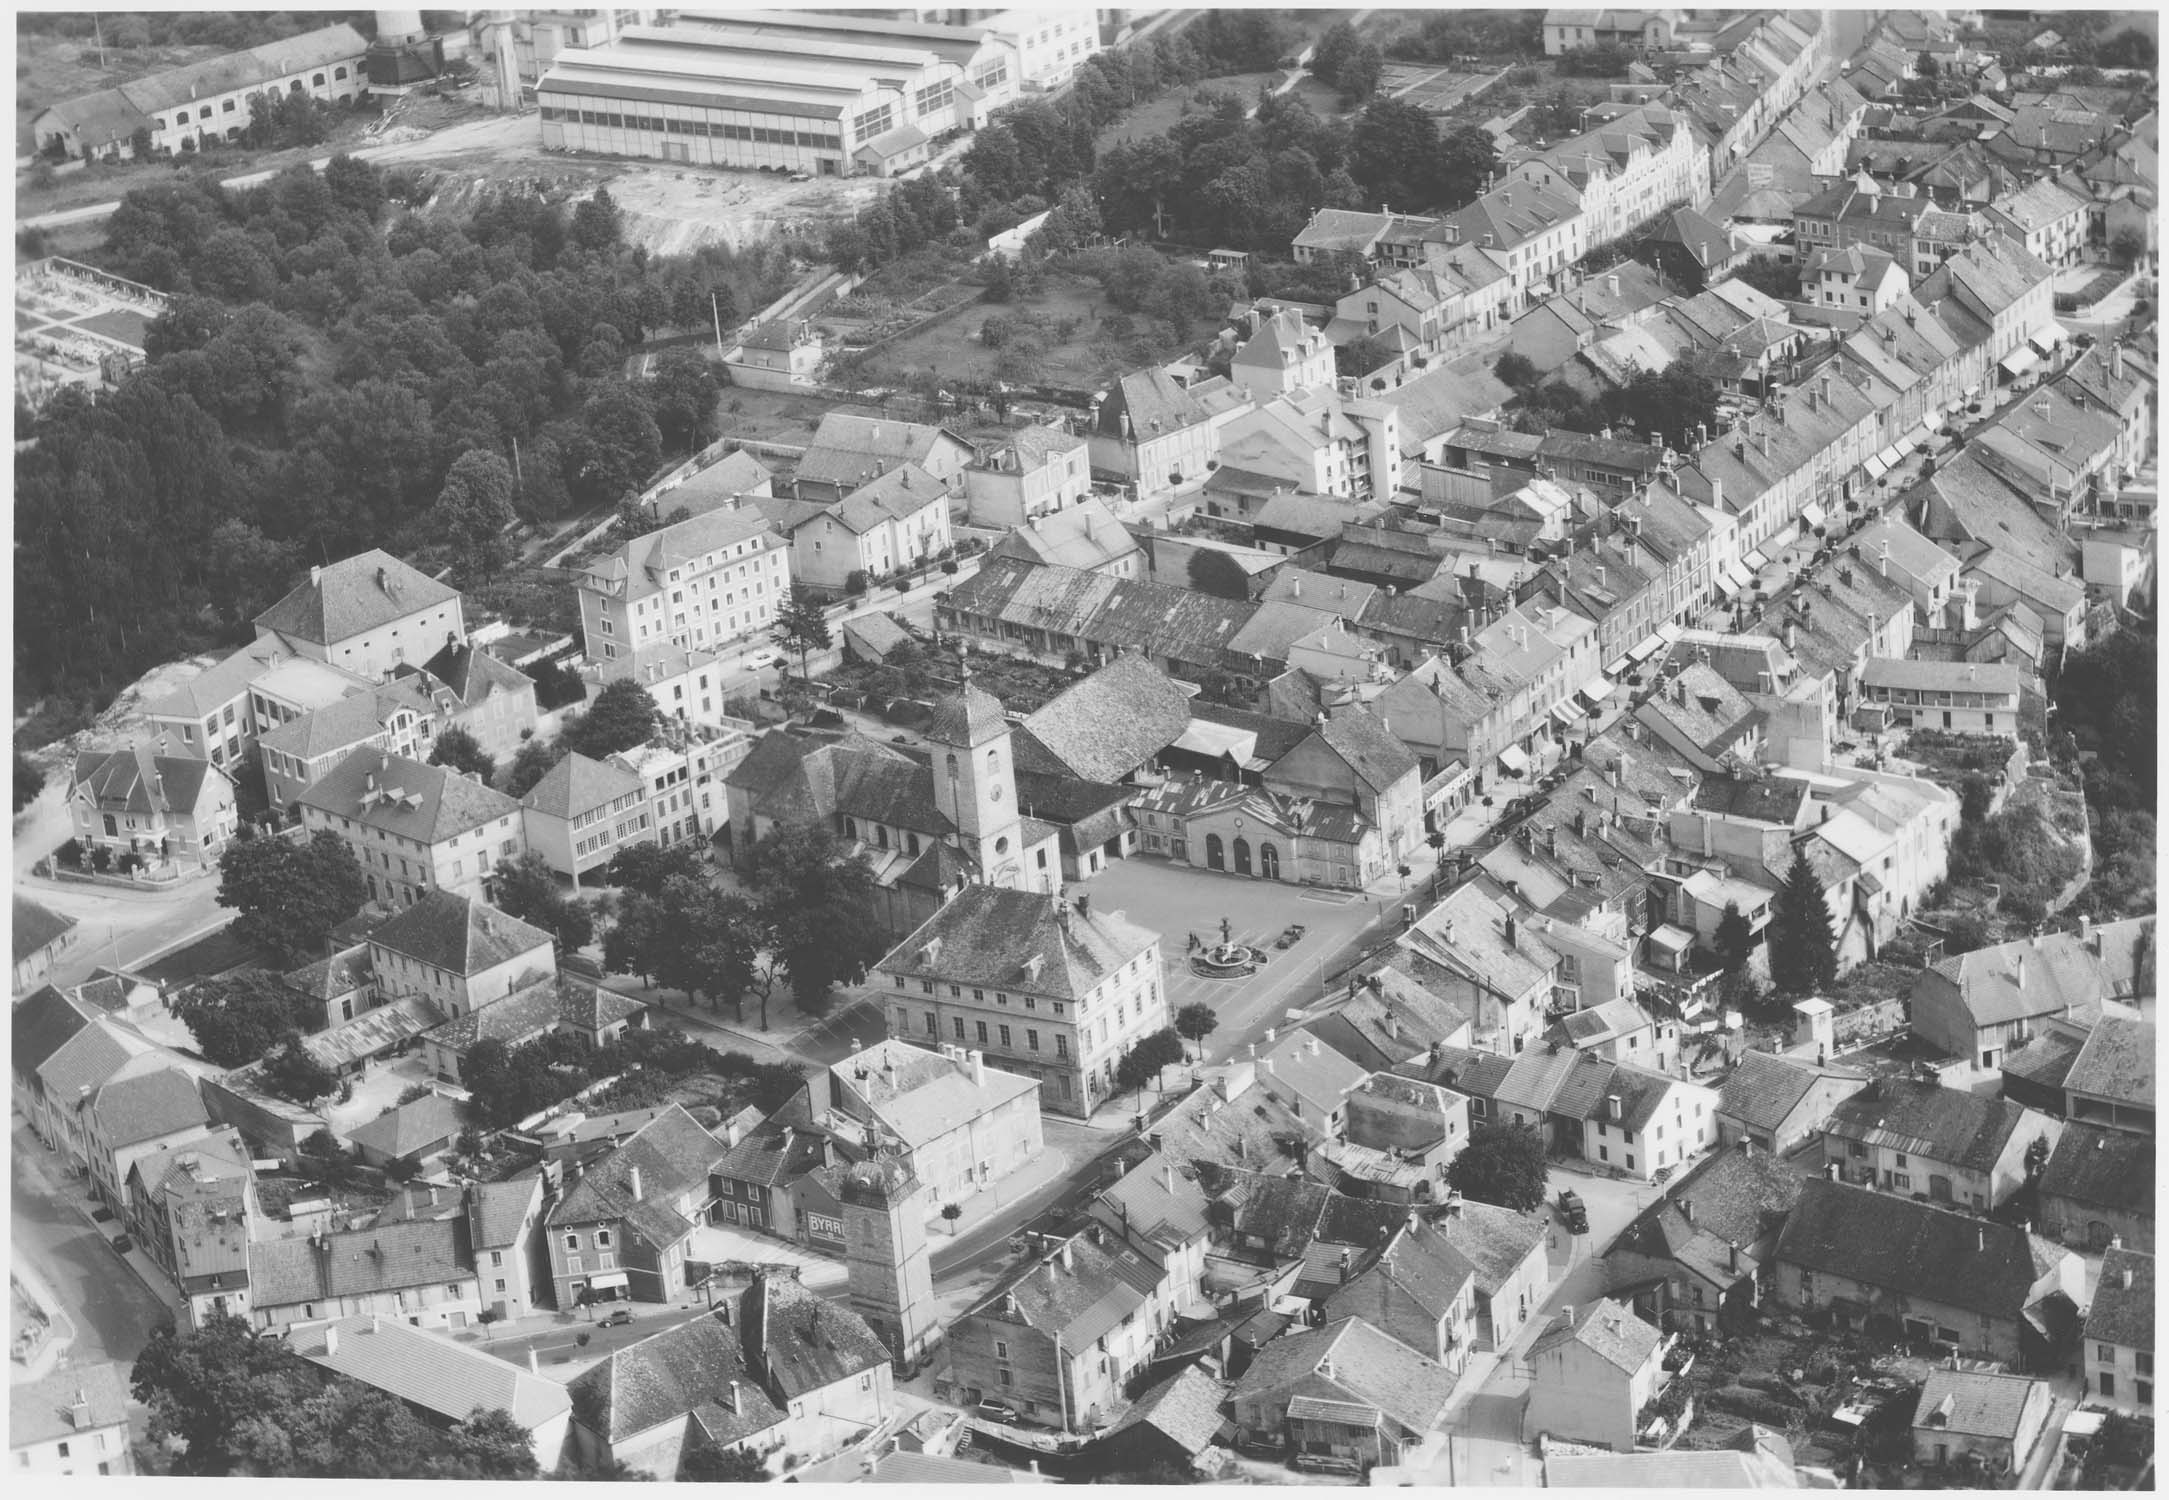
[[830, 95], [715, 578]]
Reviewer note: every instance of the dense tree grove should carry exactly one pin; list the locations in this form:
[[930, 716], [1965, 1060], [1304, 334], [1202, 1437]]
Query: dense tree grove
[[332, 355], [239, 1402]]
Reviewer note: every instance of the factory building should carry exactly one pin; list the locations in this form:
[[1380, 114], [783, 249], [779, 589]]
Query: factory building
[[791, 91]]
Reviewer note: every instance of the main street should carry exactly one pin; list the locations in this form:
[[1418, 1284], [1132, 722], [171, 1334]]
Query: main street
[[114, 1313]]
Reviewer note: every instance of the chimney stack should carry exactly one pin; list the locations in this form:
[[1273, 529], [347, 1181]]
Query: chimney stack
[[331, 1340], [534, 1360], [636, 1185]]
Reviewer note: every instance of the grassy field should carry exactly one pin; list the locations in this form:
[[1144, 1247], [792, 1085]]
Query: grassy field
[[1160, 115], [952, 346]]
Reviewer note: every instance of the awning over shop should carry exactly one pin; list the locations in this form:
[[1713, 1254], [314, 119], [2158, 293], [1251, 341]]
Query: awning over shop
[[1620, 667], [1567, 715], [1890, 456], [603, 1281], [1876, 466], [1647, 647], [1755, 561], [1929, 425], [1811, 515], [1670, 634], [1736, 572], [1972, 391], [1512, 758], [1203, 738], [1596, 691], [2019, 361], [2047, 337]]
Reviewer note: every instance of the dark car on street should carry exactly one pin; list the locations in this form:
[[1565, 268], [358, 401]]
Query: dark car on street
[[1574, 1211]]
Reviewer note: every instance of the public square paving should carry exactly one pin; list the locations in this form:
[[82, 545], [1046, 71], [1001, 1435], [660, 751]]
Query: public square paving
[[1175, 901]]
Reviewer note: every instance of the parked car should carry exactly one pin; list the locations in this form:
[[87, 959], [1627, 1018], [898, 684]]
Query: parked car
[[1574, 1211], [991, 1410], [618, 1318], [1291, 936], [123, 1244]]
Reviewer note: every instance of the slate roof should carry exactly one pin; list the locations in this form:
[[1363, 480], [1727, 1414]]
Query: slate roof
[[498, 1210], [1186, 1409], [475, 676], [526, 1012], [137, 781], [989, 936], [1416, 1273], [355, 1262], [411, 1128], [1496, 1241], [1369, 1369], [457, 934], [1607, 1329], [2123, 1314], [921, 1096], [1206, 1129], [2116, 1062], [1973, 1403], [1914, 1250], [2045, 1061], [1948, 1125], [2100, 1168], [780, 1150], [800, 1342], [849, 446], [147, 1106], [430, 1370], [1736, 1197], [353, 596], [674, 1156], [684, 1371], [1105, 727], [427, 803], [1148, 1205], [1377, 758], [2060, 974]]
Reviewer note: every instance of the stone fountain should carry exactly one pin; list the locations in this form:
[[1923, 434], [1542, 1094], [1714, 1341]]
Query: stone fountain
[[1227, 959]]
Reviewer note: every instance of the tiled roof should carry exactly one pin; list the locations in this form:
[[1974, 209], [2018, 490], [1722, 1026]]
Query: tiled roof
[[147, 1106], [1156, 1200], [1078, 1291], [1115, 720], [1610, 1331], [2116, 1062], [90, 1057], [2026, 977], [475, 676], [2100, 1168], [1735, 1197], [352, 1263], [1915, 1250], [1496, 1241], [1377, 758], [43, 1022], [801, 1343], [527, 1012], [353, 596], [991, 936], [1946, 1125], [42, 1410], [135, 780], [691, 1369], [1412, 1285], [405, 797], [1086, 535], [1974, 1403], [1368, 1368], [2045, 1061], [849, 446], [410, 1128], [374, 1032], [2124, 1314], [430, 1370], [498, 1210], [37, 927], [921, 1096], [458, 934], [1185, 1409], [578, 784], [673, 1154], [1762, 1091]]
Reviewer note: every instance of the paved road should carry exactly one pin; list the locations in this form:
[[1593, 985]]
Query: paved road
[[114, 1313]]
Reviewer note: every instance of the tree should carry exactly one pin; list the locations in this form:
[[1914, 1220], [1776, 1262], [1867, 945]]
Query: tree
[[1770, 277], [1735, 939], [1925, 64], [704, 1463], [1516, 370], [597, 223], [1212, 571], [293, 1074], [1359, 356], [206, 1388], [801, 626], [238, 1019], [473, 513], [951, 1212], [682, 392], [622, 716], [2128, 246], [1143, 1062], [813, 900], [1393, 152], [29, 780], [1195, 1022], [526, 888], [647, 868], [291, 896], [530, 763], [458, 749], [1803, 946], [1467, 158], [489, 1444], [1503, 1164]]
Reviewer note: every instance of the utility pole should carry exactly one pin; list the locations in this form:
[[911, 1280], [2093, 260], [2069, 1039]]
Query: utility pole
[[715, 311]]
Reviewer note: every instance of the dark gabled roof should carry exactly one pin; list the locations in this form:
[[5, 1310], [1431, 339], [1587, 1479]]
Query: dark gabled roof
[[37, 927], [137, 781], [990, 936], [2045, 1061], [1762, 1091], [458, 934], [579, 784], [1607, 1329], [352, 596], [147, 1106], [497, 1211], [410, 1128], [2101, 1168], [44, 1021], [673, 1154], [1913, 1249], [1368, 1368], [1077, 1291], [1495, 1240], [420, 1253], [2123, 1314], [1736, 1197], [1105, 727], [475, 675], [2116, 1062], [1925, 1119], [1377, 758], [1185, 1409], [427, 803]]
